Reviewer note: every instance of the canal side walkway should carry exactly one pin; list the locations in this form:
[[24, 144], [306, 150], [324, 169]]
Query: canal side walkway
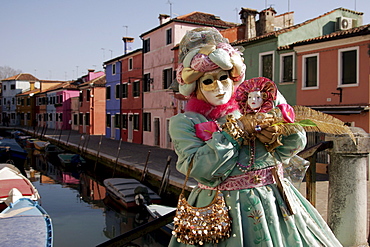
[[134, 156]]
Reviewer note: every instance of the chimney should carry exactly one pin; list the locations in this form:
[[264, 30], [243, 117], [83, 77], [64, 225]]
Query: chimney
[[125, 41], [248, 18], [32, 85], [267, 21], [163, 18]]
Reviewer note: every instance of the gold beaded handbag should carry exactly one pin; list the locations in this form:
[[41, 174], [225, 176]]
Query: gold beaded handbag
[[200, 225]]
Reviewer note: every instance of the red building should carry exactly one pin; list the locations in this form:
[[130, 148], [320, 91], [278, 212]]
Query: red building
[[131, 97], [333, 75]]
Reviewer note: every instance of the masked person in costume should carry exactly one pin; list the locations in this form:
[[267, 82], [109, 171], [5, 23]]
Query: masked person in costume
[[234, 147]]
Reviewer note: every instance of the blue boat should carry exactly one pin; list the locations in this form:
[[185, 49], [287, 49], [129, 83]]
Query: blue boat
[[25, 223], [12, 152]]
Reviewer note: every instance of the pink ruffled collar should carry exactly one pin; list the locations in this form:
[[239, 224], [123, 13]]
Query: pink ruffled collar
[[210, 111]]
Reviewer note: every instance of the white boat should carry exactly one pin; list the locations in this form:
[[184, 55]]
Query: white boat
[[13, 186], [156, 211], [25, 223]]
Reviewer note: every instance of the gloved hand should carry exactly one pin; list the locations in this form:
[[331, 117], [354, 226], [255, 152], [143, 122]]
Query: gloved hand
[[260, 126]]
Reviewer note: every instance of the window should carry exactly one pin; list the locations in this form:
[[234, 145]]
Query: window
[[113, 69], [266, 65], [130, 63], [61, 117], [117, 91], [75, 119], [61, 98], [88, 94], [167, 78], [12, 87], [124, 90], [28, 116], [81, 118], [136, 88], [310, 71], [87, 118], [286, 67], [146, 83], [107, 92], [50, 117], [168, 36], [108, 120], [348, 66], [81, 96], [146, 121], [124, 121], [146, 45], [136, 122], [4, 87], [117, 120]]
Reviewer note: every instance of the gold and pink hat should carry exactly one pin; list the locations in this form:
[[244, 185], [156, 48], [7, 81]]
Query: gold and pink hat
[[202, 50]]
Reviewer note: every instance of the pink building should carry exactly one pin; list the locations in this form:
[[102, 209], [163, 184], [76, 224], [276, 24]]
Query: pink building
[[333, 75], [159, 68]]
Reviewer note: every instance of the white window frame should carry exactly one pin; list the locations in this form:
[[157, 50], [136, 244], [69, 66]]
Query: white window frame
[[340, 66], [304, 71], [282, 67], [260, 63], [114, 69]]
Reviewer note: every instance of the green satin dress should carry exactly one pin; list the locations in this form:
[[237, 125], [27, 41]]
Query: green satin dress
[[257, 213]]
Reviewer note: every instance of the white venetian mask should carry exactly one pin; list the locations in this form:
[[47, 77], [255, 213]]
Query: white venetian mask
[[216, 87]]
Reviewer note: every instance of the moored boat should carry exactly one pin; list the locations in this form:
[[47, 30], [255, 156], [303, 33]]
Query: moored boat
[[71, 160], [52, 151], [25, 223], [156, 211], [12, 152], [40, 145], [13, 185], [130, 193]]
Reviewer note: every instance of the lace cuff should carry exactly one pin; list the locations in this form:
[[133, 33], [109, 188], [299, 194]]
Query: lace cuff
[[232, 128]]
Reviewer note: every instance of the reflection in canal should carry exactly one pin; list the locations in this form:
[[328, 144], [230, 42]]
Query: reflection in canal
[[82, 213]]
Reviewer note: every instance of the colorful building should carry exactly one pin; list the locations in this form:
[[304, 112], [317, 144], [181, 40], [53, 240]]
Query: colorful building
[[10, 88], [159, 71], [91, 107], [113, 97], [264, 53], [333, 75]]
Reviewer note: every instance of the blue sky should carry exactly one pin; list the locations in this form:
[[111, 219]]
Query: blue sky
[[61, 40]]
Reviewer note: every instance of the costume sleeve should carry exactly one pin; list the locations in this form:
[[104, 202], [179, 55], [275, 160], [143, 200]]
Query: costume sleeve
[[292, 144], [212, 160]]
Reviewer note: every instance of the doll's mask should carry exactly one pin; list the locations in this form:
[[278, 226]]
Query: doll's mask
[[215, 87], [255, 99]]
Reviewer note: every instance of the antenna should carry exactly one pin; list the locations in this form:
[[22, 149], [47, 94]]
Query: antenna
[[111, 53], [236, 15], [126, 29], [103, 52], [289, 6], [169, 2]]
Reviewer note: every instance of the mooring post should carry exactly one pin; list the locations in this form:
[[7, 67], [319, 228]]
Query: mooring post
[[347, 204]]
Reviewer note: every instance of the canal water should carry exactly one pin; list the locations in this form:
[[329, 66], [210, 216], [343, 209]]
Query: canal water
[[82, 214]]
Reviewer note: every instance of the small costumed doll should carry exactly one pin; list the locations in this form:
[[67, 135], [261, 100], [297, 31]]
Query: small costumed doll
[[222, 151]]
